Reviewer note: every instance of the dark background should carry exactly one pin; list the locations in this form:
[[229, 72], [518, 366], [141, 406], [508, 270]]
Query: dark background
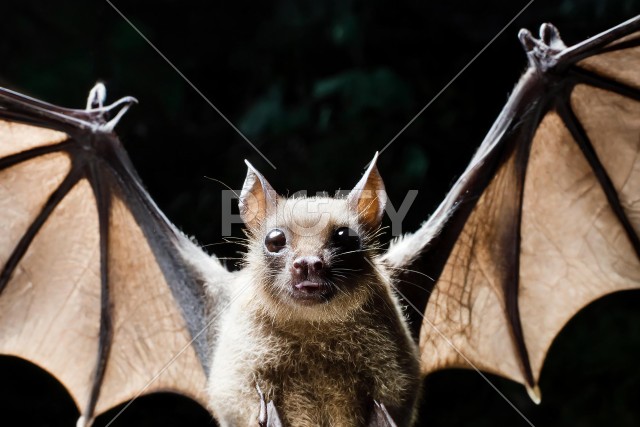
[[318, 87]]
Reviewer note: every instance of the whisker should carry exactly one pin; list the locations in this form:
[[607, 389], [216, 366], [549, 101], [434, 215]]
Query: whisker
[[412, 271], [220, 182], [416, 285]]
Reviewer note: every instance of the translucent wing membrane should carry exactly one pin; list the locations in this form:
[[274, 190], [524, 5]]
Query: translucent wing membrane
[[95, 283], [546, 218]]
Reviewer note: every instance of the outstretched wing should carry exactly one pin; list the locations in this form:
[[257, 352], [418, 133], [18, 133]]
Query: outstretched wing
[[544, 220], [96, 286]]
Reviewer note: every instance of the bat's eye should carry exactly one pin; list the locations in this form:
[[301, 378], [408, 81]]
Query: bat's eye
[[275, 240], [346, 239]]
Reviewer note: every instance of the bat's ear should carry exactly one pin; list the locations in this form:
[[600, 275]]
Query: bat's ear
[[257, 199], [368, 199]]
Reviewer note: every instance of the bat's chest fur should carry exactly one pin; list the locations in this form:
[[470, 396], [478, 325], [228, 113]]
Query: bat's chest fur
[[325, 375]]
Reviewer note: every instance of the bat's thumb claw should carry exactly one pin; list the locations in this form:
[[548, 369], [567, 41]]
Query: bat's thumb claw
[[534, 394], [550, 36], [83, 422], [97, 96], [526, 39]]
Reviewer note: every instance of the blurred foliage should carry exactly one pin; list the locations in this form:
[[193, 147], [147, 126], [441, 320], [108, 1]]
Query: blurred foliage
[[318, 87]]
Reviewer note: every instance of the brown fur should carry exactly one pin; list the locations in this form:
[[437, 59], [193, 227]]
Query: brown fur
[[322, 364]]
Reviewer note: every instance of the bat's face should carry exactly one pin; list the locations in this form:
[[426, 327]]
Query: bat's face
[[316, 256], [313, 257]]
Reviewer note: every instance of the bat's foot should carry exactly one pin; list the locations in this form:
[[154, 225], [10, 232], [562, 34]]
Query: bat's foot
[[268, 416], [380, 416]]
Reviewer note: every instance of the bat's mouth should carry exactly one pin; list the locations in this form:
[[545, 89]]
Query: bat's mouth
[[310, 292]]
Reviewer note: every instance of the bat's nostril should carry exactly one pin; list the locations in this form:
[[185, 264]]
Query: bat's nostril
[[308, 264]]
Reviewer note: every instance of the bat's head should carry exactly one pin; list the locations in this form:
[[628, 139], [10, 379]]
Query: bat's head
[[314, 257]]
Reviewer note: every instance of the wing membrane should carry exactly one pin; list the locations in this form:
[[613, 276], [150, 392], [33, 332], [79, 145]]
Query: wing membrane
[[148, 328], [546, 218], [616, 145], [574, 248], [49, 311], [619, 61], [472, 283], [37, 179], [96, 285], [18, 137]]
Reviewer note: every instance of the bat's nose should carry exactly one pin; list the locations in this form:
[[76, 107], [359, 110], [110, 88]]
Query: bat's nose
[[308, 265]]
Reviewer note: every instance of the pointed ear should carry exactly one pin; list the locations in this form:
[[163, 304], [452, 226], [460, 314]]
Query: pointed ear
[[257, 198], [368, 199]]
